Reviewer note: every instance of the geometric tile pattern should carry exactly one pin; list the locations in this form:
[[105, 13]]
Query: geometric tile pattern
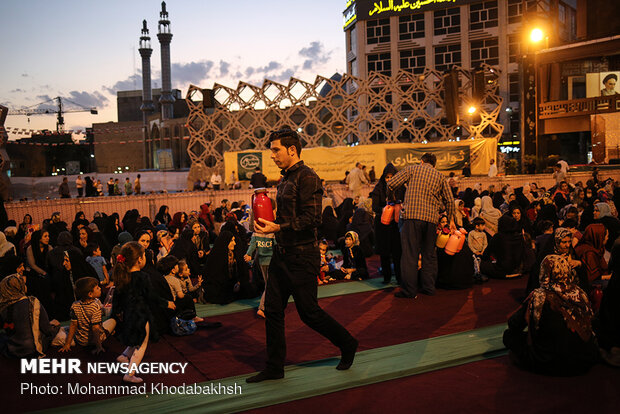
[[336, 112]]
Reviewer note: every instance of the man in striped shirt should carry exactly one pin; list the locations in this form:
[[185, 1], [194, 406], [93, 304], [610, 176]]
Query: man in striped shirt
[[428, 193]]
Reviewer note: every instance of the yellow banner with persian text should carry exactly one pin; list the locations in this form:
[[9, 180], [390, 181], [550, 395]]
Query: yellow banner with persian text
[[331, 163]]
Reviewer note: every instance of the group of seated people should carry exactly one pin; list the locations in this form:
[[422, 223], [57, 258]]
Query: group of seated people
[[558, 240], [565, 242]]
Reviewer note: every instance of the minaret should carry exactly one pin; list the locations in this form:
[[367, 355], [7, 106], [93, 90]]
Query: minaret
[[166, 99], [147, 106]]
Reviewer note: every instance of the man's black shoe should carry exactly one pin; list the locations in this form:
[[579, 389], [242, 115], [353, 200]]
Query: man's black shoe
[[264, 376], [211, 325], [347, 357], [401, 294]]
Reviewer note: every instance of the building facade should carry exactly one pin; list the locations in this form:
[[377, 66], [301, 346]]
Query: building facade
[[388, 36]]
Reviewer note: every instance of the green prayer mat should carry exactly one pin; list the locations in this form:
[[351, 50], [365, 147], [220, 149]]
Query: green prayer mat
[[324, 291], [318, 377]]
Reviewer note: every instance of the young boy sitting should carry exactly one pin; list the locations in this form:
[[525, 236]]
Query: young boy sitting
[[186, 281], [477, 242], [97, 262], [328, 264], [86, 313], [185, 307]]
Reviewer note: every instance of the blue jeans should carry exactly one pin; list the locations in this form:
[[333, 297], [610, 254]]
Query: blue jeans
[[418, 237]]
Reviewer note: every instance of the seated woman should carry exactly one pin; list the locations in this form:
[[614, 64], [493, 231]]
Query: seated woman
[[28, 330], [507, 254], [227, 276], [516, 211], [608, 327], [454, 271], [490, 215], [461, 219], [354, 262], [559, 340], [329, 225], [602, 214], [591, 251]]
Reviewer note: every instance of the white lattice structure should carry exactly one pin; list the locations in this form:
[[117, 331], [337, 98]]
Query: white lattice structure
[[335, 112]]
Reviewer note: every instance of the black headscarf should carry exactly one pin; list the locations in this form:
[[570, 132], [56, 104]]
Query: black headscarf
[[220, 281], [39, 255], [329, 224]]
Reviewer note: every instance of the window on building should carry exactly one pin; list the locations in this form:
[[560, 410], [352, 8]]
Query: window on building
[[515, 11], [485, 51], [354, 71], [483, 15], [413, 60], [514, 48], [513, 87], [447, 21], [447, 56], [411, 26], [377, 31], [380, 62], [562, 13], [353, 40]]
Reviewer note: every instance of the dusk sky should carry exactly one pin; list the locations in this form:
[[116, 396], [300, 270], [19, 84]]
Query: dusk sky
[[87, 50]]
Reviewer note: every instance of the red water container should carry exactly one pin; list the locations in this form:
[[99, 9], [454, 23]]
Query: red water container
[[596, 296], [261, 205], [388, 214], [397, 208], [452, 247], [462, 239]]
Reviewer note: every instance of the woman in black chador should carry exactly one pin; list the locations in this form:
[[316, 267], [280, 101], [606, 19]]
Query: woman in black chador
[[227, 273]]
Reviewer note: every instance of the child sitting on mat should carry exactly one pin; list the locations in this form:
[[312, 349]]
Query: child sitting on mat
[[328, 264], [86, 314], [354, 262], [185, 278]]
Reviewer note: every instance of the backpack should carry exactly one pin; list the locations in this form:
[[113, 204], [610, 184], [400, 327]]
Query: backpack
[[182, 327]]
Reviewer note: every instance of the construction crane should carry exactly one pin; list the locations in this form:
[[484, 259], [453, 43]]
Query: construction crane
[[60, 120]]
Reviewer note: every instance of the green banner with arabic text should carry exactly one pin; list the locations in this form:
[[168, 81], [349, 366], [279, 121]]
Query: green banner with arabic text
[[448, 158]]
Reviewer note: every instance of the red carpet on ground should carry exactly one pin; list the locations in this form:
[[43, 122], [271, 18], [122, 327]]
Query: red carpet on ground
[[376, 318], [488, 386]]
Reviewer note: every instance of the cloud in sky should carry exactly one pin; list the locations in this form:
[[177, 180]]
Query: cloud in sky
[[193, 72], [132, 82], [87, 99], [315, 55], [224, 68]]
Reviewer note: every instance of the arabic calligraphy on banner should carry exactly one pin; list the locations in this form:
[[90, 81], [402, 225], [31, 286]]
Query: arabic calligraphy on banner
[[367, 9], [448, 158], [404, 5]]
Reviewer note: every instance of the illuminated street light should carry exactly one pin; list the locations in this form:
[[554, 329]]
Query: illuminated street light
[[536, 35]]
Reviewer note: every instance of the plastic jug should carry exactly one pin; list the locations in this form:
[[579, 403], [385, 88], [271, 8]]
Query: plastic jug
[[596, 297], [462, 239], [397, 208], [442, 240], [388, 214], [261, 205], [452, 247]]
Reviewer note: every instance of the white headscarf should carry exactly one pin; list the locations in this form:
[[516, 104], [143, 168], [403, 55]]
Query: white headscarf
[[490, 215]]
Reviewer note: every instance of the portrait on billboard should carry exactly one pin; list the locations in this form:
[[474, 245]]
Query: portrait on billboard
[[602, 84]]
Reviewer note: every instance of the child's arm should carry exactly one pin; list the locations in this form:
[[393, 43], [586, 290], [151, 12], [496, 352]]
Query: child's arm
[[70, 335], [251, 246], [97, 334], [179, 290], [106, 276]]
